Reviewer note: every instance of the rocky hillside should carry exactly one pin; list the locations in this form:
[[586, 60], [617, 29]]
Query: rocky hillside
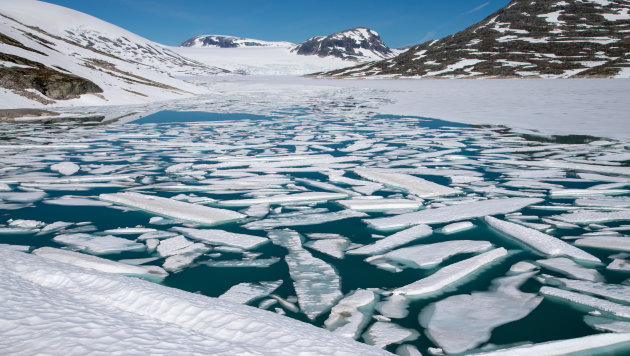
[[219, 41], [543, 38], [357, 44]]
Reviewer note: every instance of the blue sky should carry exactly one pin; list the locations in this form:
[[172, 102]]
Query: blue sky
[[399, 22]]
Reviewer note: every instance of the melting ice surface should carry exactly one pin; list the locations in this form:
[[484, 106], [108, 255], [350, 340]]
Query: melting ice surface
[[400, 232]]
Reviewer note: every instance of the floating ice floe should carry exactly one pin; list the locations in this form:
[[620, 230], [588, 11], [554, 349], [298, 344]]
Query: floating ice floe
[[334, 247], [65, 168], [456, 227], [463, 322], [179, 245], [452, 213], [589, 217], [259, 263], [5, 187], [570, 193], [615, 243], [607, 325], [615, 292], [396, 307], [130, 231], [569, 268], [178, 262], [407, 350], [351, 314], [390, 242], [605, 202], [22, 197], [619, 265], [557, 164], [414, 185], [303, 219], [173, 209], [244, 293], [289, 198], [428, 256], [316, 283], [382, 334], [587, 301], [221, 237], [127, 315], [540, 242], [449, 276], [522, 267], [158, 235], [257, 211], [376, 205], [69, 200], [153, 273], [591, 344], [99, 245]]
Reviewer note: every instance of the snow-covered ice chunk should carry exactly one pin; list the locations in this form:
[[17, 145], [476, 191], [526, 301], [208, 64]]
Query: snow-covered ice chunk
[[451, 213], [27, 224], [589, 217], [396, 307], [390, 242], [568, 267], [99, 245], [153, 273], [382, 334], [303, 219], [587, 301], [158, 235], [615, 292], [289, 198], [427, 256], [65, 168], [407, 350], [607, 325], [130, 231], [179, 245], [4, 187], [173, 209], [619, 265], [462, 322], [261, 263], [351, 314], [244, 293], [130, 316], [450, 275], [334, 247], [457, 227], [257, 211], [615, 243], [414, 185], [376, 205], [591, 344], [221, 237], [540, 242], [176, 263], [570, 193], [522, 267], [22, 197], [316, 283], [70, 200]]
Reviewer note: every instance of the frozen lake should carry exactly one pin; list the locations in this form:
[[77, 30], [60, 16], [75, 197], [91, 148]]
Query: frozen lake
[[372, 226]]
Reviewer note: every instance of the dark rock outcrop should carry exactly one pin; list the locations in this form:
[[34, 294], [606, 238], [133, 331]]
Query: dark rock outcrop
[[357, 44]]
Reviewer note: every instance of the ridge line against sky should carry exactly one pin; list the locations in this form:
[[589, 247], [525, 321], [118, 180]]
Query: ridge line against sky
[[399, 22]]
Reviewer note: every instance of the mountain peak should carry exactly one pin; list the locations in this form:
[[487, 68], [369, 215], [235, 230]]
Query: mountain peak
[[222, 41], [358, 44]]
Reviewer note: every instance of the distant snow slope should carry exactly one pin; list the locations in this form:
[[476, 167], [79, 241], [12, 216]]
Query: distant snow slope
[[221, 41], [36, 36], [78, 311]]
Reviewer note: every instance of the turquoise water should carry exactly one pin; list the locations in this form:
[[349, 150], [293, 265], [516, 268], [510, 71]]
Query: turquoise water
[[149, 157]]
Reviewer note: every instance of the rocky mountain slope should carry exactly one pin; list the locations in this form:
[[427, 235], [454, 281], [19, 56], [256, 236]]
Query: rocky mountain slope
[[50, 53], [357, 44], [220, 41], [543, 38]]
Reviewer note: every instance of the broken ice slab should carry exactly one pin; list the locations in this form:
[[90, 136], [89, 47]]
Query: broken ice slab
[[615, 292], [428, 256], [390, 242], [377, 205], [522, 267], [257, 211], [412, 184], [451, 275], [587, 301], [351, 314], [316, 283], [261, 263], [571, 193], [396, 307], [65, 168], [539, 242], [153, 273], [606, 202], [177, 263], [569, 268], [334, 247], [619, 265], [173, 209], [130, 231], [588, 217], [407, 350], [382, 334], [614, 243], [452, 213], [462, 322], [70, 200], [557, 164], [456, 227], [221, 237], [99, 245], [606, 324], [62, 187], [244, 293], [303, 219], [5, 187], [22, 197], [586, 345], [179, 245], [159, 235], [279, 199]]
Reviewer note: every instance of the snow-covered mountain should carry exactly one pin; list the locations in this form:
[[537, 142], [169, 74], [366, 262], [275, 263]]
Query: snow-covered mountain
[[220, 41], [50, 53], [357, 44], [543, 38]]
